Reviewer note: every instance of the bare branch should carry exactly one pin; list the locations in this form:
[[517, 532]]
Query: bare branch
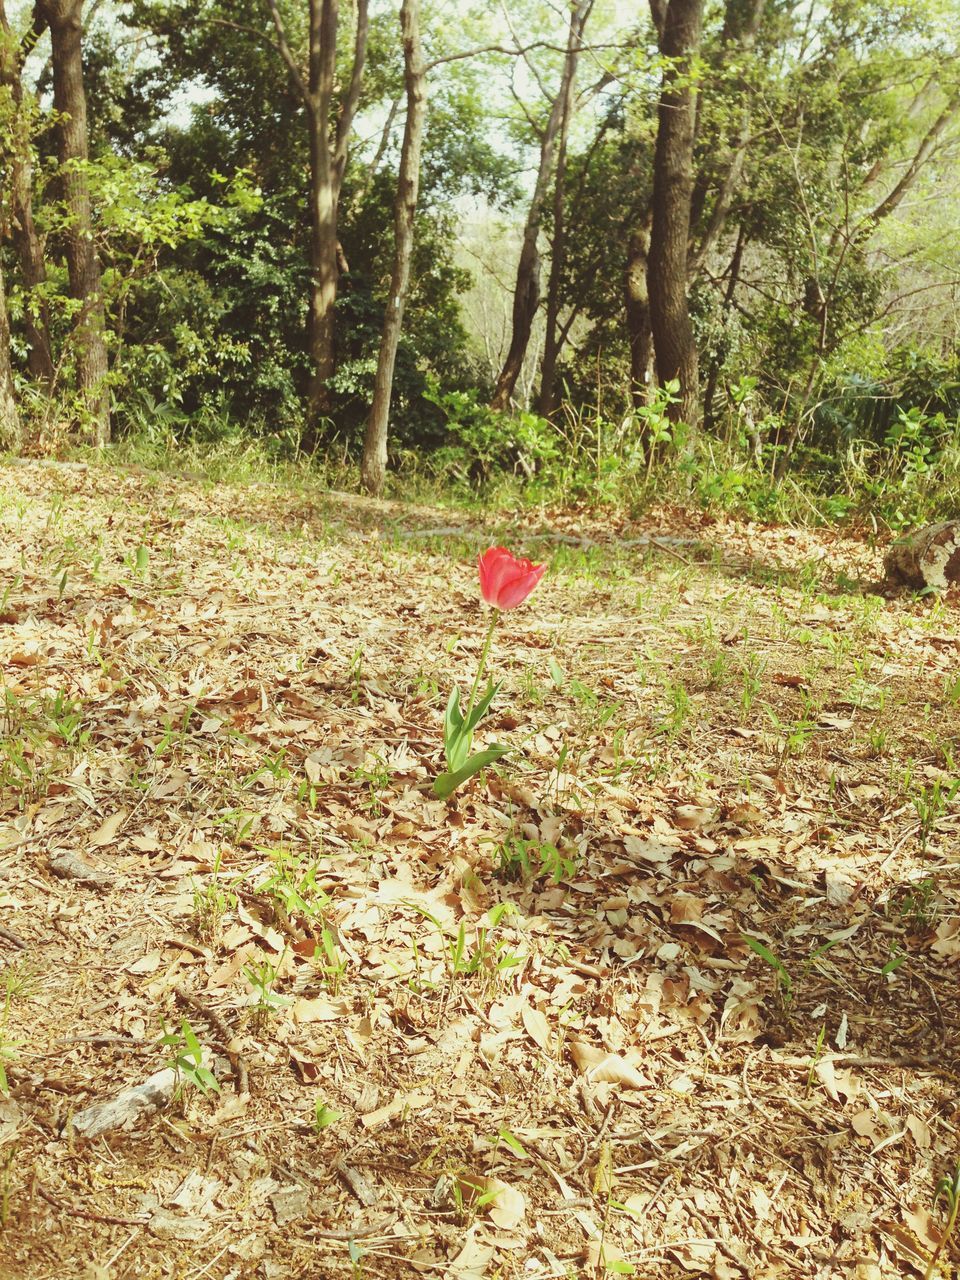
[[349, 106], [890, 306], [722, 206], [370, 170], [245, 28], [286, 53], [531, 67], [38, 25], [926, 148], [518, 51], [535, 128]]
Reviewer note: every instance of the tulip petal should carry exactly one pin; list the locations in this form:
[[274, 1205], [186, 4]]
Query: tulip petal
[[493, 564], [515, 590], [505, 580]]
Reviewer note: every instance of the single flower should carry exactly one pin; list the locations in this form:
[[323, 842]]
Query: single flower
[[505, 580]]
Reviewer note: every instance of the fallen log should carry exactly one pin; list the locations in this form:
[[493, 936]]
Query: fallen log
[[127, 1106], [928, 559]]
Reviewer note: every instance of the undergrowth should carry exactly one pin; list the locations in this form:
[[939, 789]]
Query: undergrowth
[[496, 463]]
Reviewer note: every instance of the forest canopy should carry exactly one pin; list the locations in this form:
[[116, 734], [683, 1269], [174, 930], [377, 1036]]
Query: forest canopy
[[573, 244]]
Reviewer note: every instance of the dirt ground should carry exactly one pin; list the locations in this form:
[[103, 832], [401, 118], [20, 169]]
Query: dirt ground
[[670, 991]]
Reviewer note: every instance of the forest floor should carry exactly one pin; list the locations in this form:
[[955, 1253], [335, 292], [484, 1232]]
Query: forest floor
[[522, 1033]]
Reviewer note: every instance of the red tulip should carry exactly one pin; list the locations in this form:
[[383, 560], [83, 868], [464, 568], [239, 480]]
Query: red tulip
[[506, 581]]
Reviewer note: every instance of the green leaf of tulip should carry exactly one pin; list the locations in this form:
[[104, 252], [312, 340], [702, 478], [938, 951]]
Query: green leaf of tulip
[[453, 716], [458, 732], [456, 741], [447, 783], [456, 737], [457, 750], [481, 707]]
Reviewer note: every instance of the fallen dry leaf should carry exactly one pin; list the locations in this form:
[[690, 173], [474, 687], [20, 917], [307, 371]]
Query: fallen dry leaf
[[537, 1027], [320, 1009], [611, 1068], [691, 817], [106, 833], [474, 1258], [840, 1085]]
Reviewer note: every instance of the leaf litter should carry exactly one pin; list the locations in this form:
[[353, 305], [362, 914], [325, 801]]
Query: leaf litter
[[669, 992]]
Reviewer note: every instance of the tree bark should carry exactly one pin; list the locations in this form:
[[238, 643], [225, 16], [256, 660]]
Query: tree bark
[[329, 148], [23, 230], [374, 464], [676, 351], [552, 338], [928, 558], [637, 302], [526, 297], [11, 434], [64, 18], [716, 362], [324, 273]]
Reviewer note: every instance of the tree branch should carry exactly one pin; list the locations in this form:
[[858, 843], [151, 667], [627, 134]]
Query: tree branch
[[348, 107], [38, 25], [923, 153], [245, 29], [518, 51], [286, 52]]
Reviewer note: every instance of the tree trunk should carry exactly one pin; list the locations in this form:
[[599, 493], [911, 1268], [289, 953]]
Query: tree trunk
[[324, 275], [23, 230], [11, 435], [408, 186], [637, 302], [329, 148], [64, 18], [716, 361], [741, 23], [526, 296], [676, 350], [552, 338]]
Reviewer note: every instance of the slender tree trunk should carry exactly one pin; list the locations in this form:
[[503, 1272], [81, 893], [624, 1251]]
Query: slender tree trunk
[[553, 338], [329, 147], [23, 230], [637, 301], [408, 186], [64, 18], [526, 297], [11, 434], [324, 274], [673, 338], [526, 300], [741, 23], [716, 361]]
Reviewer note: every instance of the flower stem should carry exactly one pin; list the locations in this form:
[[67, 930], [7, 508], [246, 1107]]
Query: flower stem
[[947, 1233], [494, 619]]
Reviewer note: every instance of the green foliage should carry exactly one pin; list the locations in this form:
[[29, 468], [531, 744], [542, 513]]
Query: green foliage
[[520, 859], [486, 443], [824, 320], [324, 1116], [783, 979], [186, 1059]]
